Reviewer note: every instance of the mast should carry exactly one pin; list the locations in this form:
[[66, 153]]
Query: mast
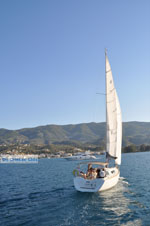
[[107, 159]]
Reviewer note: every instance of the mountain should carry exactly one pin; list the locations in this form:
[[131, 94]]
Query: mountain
[[133, 133]]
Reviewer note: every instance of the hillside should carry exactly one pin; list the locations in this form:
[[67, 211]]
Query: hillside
[[133, 133]]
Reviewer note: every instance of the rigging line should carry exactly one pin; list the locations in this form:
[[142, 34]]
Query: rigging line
[[102, 94]]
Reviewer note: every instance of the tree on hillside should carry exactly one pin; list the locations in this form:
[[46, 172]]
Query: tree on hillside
[[130, 148]]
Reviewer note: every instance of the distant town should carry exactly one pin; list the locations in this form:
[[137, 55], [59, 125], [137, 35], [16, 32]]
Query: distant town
[[62, 151], [46, 151]]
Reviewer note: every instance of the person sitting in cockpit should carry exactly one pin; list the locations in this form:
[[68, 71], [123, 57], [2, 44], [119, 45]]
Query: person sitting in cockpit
[[102, 173]]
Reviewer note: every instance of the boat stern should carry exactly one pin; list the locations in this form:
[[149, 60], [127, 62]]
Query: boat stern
[[84, 185]]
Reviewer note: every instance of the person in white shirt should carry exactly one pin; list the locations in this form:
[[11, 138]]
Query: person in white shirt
[[102, 173]]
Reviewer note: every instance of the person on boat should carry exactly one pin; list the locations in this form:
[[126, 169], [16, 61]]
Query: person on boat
[[98, 173], [89, 167], [82, 174], [94, 173], [91, 172], [102, 173]]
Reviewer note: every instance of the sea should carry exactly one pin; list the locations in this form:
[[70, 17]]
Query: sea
[[43, 194]]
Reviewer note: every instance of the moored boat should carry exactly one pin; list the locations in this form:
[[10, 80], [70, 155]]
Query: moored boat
[[81, 156]]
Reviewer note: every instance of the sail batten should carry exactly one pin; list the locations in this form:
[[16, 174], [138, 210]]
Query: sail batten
[[113, 118]]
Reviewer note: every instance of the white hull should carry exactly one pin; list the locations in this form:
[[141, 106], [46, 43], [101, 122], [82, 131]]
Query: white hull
[[98, 184]]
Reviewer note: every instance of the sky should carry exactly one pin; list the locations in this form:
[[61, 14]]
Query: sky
[[52, 60]]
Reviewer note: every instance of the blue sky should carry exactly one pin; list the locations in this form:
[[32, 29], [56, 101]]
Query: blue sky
[[52, 60]]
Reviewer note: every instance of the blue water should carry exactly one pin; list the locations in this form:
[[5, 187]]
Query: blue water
[[43, 194]]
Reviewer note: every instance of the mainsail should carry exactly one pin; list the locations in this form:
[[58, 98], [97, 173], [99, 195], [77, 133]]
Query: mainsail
[[113, 118]]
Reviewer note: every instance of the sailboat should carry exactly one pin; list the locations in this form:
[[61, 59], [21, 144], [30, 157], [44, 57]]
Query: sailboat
[[104, 175]]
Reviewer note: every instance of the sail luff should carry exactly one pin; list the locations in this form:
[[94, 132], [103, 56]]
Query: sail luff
[[106, 101], [109, 105]]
